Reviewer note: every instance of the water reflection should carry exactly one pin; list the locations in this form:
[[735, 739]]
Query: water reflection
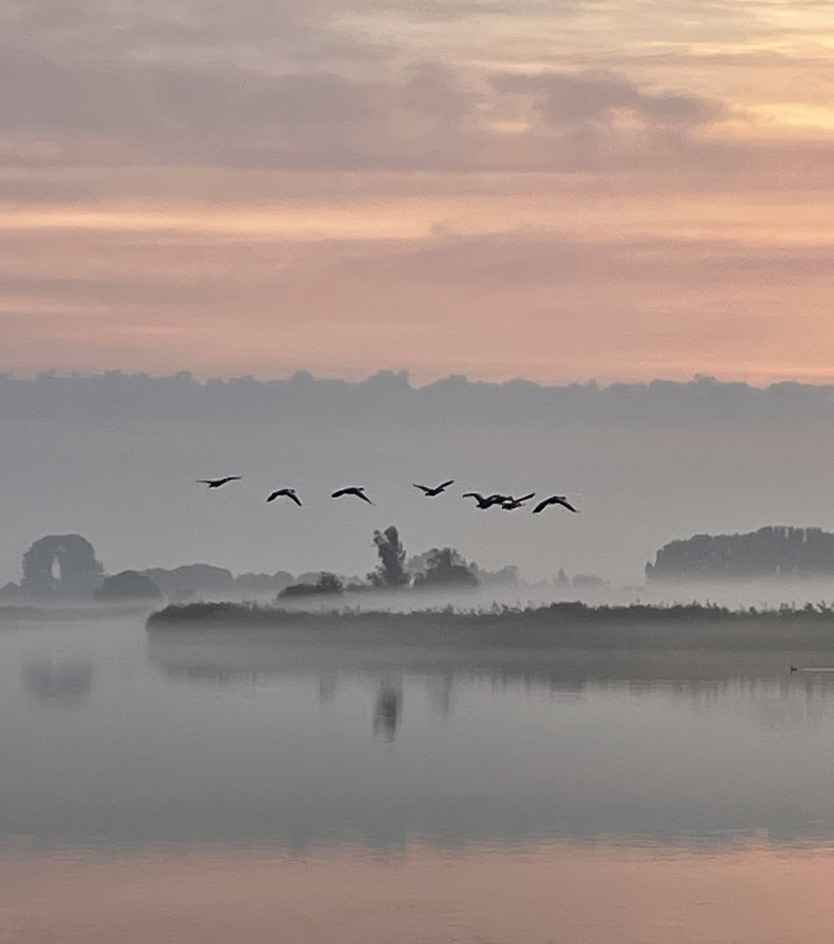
[[328, 687], [594, 893], [387, 710], [65, 682], [441, 691], [702, 675], [251, 738]]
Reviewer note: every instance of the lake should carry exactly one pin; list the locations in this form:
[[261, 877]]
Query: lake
[[187, 786]]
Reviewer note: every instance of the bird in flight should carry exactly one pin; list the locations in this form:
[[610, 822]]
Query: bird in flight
[[512, 503], [554, 500], [216, 483], [432, 492], [285, 493], [488, 502], [354, 490]]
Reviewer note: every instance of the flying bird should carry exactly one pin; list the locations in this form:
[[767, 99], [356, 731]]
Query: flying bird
[[285, 493], [354, 490], [554, 500], [216, 483], [432, 492], [488, 502], [512, 503]]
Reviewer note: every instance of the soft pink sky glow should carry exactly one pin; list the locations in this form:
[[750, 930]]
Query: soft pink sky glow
[[557, 190]]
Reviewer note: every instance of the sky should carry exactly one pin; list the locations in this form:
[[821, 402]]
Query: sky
[[553, 189]]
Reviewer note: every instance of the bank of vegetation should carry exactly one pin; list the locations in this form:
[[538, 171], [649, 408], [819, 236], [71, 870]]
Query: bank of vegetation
[[558, 624]]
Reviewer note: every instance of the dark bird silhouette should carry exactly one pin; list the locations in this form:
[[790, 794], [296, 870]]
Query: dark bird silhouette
[[433, 492], [512, 503], [794, 668], [553, 500], [355, 490], [216, 483], [484, 503], [285, 493]]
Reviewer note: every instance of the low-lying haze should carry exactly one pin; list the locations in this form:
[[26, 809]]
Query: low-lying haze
[[115, 457]]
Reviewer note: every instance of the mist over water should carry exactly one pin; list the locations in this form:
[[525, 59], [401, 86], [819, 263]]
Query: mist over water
[[220, 762], [113, 739], [222, 782]]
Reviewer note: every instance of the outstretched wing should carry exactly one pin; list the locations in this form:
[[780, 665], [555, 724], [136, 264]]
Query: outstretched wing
[[422, 488], [542, 505], [339, 492], [566, 504], [360, 494], [294, 497], [474, 495], [446, 484], [525, 498], [273, 496]]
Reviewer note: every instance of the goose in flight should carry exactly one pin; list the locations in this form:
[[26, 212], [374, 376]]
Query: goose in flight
[[554, 500], [355, 490], [433, 492], [512, 503], [216, 483], [285, 493], [488, 502]]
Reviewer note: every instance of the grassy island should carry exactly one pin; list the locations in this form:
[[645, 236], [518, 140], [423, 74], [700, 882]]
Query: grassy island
[[570, 625]]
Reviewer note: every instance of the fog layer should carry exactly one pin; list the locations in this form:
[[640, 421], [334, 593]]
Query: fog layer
[[115, 457]]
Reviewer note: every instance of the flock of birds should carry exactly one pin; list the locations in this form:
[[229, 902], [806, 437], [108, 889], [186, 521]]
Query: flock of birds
[[482, 502]]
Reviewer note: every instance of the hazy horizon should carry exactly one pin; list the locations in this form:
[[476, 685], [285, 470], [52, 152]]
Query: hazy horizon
[[114, 456], [562, 247]]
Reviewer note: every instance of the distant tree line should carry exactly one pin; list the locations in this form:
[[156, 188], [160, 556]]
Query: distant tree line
[[65, 567], [771, 552], [437, 569]]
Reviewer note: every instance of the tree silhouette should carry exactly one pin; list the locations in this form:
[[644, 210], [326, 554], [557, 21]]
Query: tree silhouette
[[326, 583], [128, 585], [391, 572], [445, 568], [770, 552], [79, 573]]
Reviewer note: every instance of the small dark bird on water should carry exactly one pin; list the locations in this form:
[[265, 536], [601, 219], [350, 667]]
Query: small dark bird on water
[[354, 490], [512, 503], [216, 483], [484, 503], [285, 493], [794, 668], [433, 492], [554, 500]]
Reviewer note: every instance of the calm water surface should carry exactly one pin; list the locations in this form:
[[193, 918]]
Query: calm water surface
[[185, 787]]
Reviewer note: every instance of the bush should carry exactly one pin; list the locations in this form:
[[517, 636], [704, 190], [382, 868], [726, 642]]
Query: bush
[[128, 585]]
